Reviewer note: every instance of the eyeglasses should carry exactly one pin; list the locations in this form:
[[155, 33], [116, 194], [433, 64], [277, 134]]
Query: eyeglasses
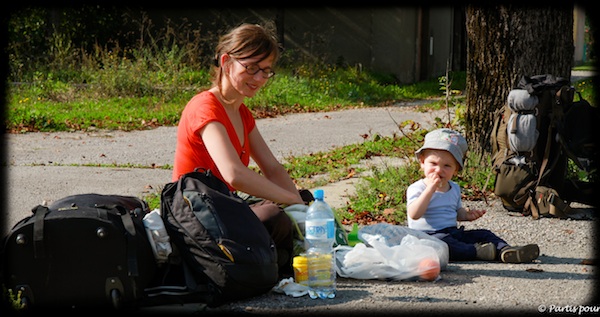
[[253, 69]]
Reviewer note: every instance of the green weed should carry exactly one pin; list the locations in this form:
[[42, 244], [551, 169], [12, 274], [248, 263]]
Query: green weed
[[13, 298]]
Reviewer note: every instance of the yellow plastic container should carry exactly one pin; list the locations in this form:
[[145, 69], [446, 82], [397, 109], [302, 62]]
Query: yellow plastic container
[[300, 265]]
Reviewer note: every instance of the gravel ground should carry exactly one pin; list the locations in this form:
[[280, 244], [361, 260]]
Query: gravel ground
[[558, 277], [38, 168]]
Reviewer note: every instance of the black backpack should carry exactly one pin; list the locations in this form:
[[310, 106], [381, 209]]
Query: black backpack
[[225, 251], [534, 135], [580, 144]]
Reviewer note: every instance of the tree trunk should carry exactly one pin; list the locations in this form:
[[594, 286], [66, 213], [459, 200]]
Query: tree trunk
[[504, 43]]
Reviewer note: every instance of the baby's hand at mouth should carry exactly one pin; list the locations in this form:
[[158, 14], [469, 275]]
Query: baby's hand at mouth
[[436, 180]]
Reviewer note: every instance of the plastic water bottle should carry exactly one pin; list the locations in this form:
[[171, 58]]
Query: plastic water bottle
[[320, 236]]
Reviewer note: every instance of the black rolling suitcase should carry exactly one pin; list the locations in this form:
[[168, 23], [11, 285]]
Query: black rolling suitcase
[[82, 251]]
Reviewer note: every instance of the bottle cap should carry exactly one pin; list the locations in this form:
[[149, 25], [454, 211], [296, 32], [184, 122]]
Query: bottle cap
[[319, 194]]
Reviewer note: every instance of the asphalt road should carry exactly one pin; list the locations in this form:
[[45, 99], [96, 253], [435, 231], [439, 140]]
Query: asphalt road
[[48, 166]]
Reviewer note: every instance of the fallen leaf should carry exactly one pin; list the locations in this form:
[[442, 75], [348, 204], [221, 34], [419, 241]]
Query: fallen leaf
[[588, 262], [532, 270]]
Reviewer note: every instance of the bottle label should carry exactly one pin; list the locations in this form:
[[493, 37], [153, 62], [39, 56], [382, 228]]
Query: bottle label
[[320, 229], [320, 268]]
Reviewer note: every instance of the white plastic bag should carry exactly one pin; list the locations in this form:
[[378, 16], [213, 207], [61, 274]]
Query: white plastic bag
[[390, 252], [157, 235], [297, 213]]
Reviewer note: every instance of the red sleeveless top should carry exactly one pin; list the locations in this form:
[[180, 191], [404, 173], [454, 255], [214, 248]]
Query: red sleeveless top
[[190, 151]]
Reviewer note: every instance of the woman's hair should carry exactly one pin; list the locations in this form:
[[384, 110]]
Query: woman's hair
[[246, 41]]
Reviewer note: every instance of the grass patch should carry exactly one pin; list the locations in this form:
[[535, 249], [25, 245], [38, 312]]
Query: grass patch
[[381, 196], [50, 104], [60, 103]]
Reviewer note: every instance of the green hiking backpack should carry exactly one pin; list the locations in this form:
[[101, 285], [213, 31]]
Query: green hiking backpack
[[533, 137]]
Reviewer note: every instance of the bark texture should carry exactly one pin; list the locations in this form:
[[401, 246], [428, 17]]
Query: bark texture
[[505, 42]]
